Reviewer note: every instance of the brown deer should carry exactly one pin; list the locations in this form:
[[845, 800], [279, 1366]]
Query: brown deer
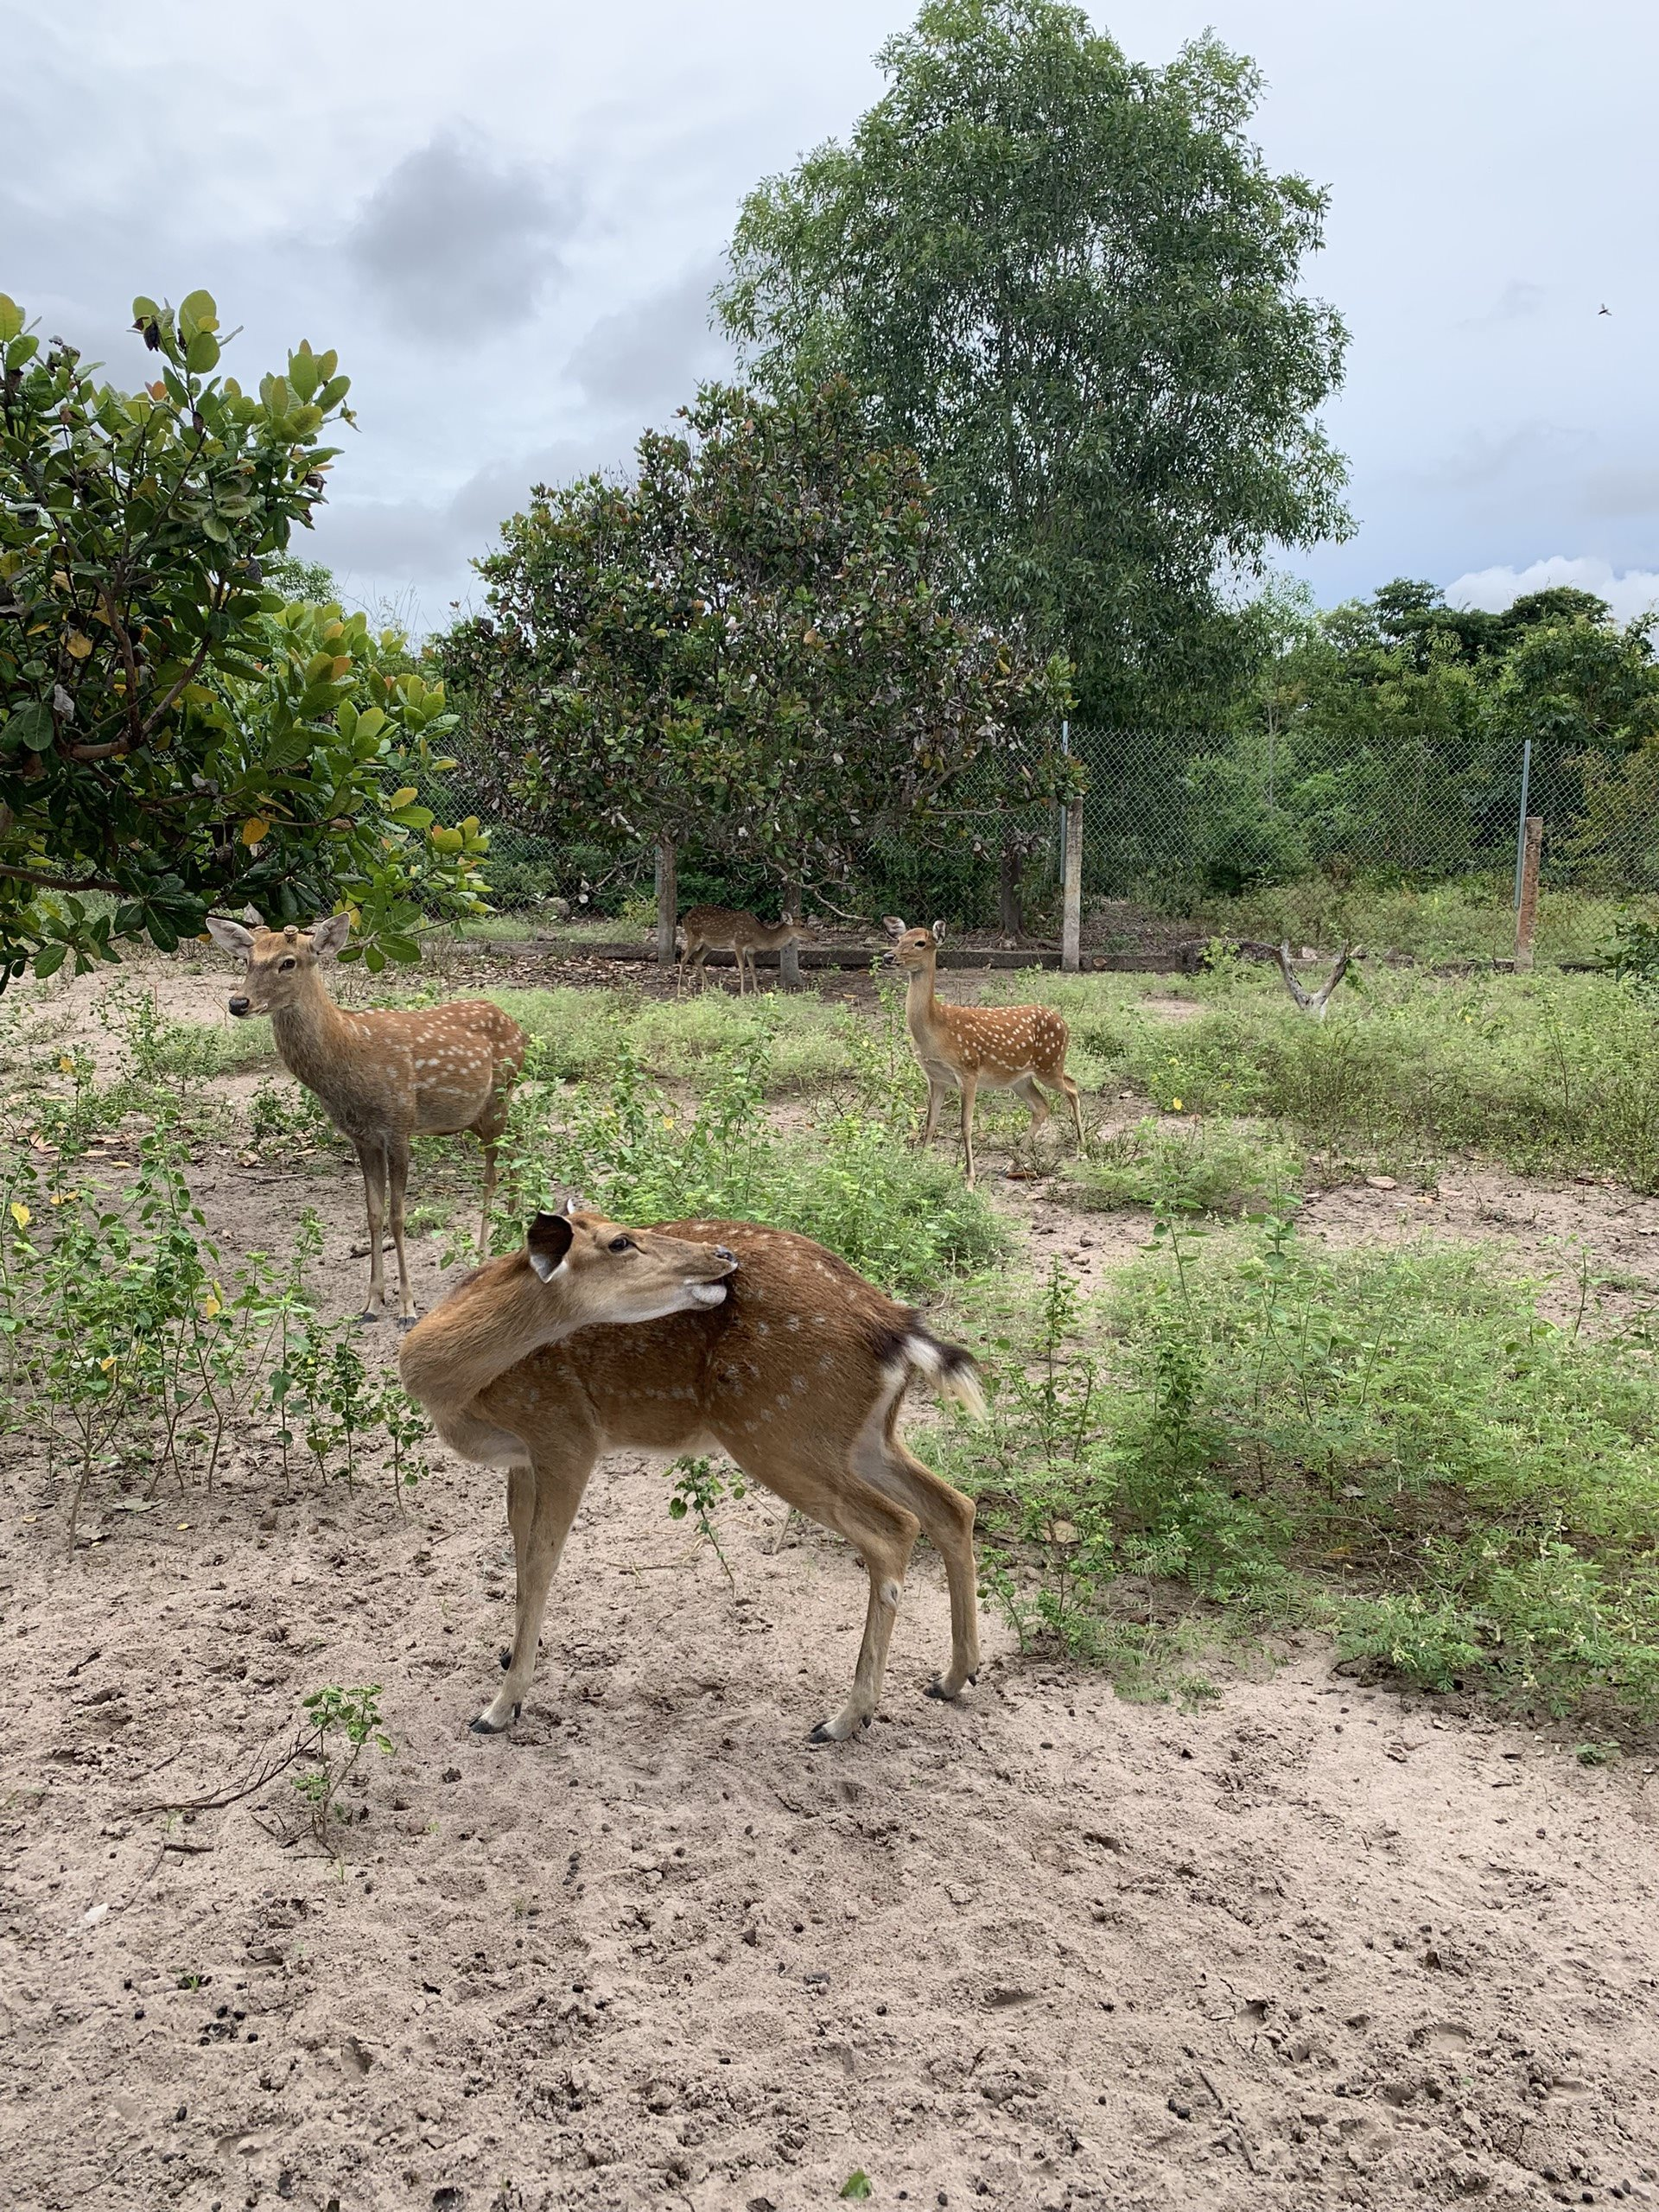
[[1003, 1047], [383, 1077], [797, 1373], [722, 928]]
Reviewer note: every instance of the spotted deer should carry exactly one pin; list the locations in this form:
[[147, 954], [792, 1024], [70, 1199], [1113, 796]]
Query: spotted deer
[[750, 1340], [722, 928], [1001, 1047], [382, 1078]]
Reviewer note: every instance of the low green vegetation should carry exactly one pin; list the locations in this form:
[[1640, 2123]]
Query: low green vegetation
[[1471, 919], [582, 1035], [1392, 1444], [1195, 1168], [903, 1217], [1554, 1075]]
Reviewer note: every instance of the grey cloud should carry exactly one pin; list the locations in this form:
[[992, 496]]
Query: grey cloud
[[1516, 302], [375, 546], [451, 243], [648, 358], [1622, 489]]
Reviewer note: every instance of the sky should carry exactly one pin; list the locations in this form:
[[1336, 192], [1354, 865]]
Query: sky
[[507, 217]]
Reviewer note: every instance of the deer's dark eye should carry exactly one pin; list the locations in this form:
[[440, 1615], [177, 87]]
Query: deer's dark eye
[[622, 1244], [287, 963]]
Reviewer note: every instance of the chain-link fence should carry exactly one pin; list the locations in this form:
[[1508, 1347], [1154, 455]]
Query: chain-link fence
[[1174, 822]]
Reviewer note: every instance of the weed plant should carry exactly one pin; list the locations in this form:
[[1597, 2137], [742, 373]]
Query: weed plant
[[1551, 1074], [905, 1219], [579, 1035], [1199, 1166], [1392, 1443]]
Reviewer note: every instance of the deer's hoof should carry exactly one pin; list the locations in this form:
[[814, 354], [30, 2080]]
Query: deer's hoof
[[368, 1315], [407, 1320], [485, 1726]]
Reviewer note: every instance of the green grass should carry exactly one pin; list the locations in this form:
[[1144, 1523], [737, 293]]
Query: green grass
[[1552, 1074], [582, 1035], [904, 1218], [1196, 1167], [1472, 919], [1392, 1444]]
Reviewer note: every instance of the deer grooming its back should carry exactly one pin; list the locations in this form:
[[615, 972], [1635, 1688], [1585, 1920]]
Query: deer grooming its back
[[722, 928], [383, 1077], [1003, 1047], [796, 1371]]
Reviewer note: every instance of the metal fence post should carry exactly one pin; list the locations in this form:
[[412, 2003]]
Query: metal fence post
[[1521, 818], [1526, 919], [1071, 891], [667, 903]]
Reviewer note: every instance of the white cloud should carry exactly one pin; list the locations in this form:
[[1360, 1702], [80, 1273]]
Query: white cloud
[[1633, 592]]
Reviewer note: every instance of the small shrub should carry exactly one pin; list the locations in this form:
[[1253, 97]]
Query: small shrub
[[1198, 1167]]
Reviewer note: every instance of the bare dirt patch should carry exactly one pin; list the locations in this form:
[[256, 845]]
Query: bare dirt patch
[[1314, 1945]]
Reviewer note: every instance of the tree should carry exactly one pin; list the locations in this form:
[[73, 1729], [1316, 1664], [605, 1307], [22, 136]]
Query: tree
[[1073, 286], [746, 645], [173, 734]]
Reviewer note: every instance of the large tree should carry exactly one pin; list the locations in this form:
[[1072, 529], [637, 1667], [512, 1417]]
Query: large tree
[[745, 644], [173, 734], [1074, 286]]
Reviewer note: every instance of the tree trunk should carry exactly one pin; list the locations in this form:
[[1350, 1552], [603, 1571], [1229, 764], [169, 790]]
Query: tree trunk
[[789, 960], [667, 904], [1010, 885]]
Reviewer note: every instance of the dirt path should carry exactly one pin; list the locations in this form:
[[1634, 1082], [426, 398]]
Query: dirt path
[[1311, 1947]]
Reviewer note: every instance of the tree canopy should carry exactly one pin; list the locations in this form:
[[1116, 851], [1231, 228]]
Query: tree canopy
[[746, 643], [174, 734], [1072, 284]]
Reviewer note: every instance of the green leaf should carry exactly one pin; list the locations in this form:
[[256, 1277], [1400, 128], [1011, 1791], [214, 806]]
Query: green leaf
[[28, 730], [12, 317], [197, 311], [50, 959], [201, 354], [857, 2183]]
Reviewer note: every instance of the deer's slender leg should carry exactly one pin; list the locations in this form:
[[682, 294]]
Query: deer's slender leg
[[371, 1159], [397, 1179], [489, 1197], [947, 1520], [970, 1083], [935, 1107], [1026, 1088], [824, 1488], [1069, 1085], [556, 1479]]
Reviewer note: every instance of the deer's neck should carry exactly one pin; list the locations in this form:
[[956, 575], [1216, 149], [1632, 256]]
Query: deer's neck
[[502, 1315], [313, 1036], [920, 1005]]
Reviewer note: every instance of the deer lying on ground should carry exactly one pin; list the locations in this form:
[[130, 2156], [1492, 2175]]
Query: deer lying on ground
[[1002, 1047], [752, 1340], [382, 1078], [722, 928]]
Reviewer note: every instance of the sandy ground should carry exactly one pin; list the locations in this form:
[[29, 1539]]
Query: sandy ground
[[1313, 1945]]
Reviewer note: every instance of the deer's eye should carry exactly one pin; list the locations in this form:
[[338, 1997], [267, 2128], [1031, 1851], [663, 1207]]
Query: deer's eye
[[287, 963], [622, 1244]]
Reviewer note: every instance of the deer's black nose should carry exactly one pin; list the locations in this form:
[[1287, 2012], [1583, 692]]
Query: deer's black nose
[[239, 1004]]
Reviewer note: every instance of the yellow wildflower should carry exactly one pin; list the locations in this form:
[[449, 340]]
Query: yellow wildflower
[[21, 1214]]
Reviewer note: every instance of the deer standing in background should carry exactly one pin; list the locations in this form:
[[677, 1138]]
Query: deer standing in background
[[1003, 1047], [382, 1078], [797, 1371], [722, 928]]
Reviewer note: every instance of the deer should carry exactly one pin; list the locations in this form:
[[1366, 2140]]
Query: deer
[[689, 1336], [1002, 1047], [722, 928], [381, 1077]]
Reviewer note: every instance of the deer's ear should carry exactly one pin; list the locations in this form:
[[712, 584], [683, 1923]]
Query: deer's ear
[[548, 1238], [230, 937], [894, 925], [939, 932], [327, 937]]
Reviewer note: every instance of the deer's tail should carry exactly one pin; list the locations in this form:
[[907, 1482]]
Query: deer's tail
[[949, 1371]]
